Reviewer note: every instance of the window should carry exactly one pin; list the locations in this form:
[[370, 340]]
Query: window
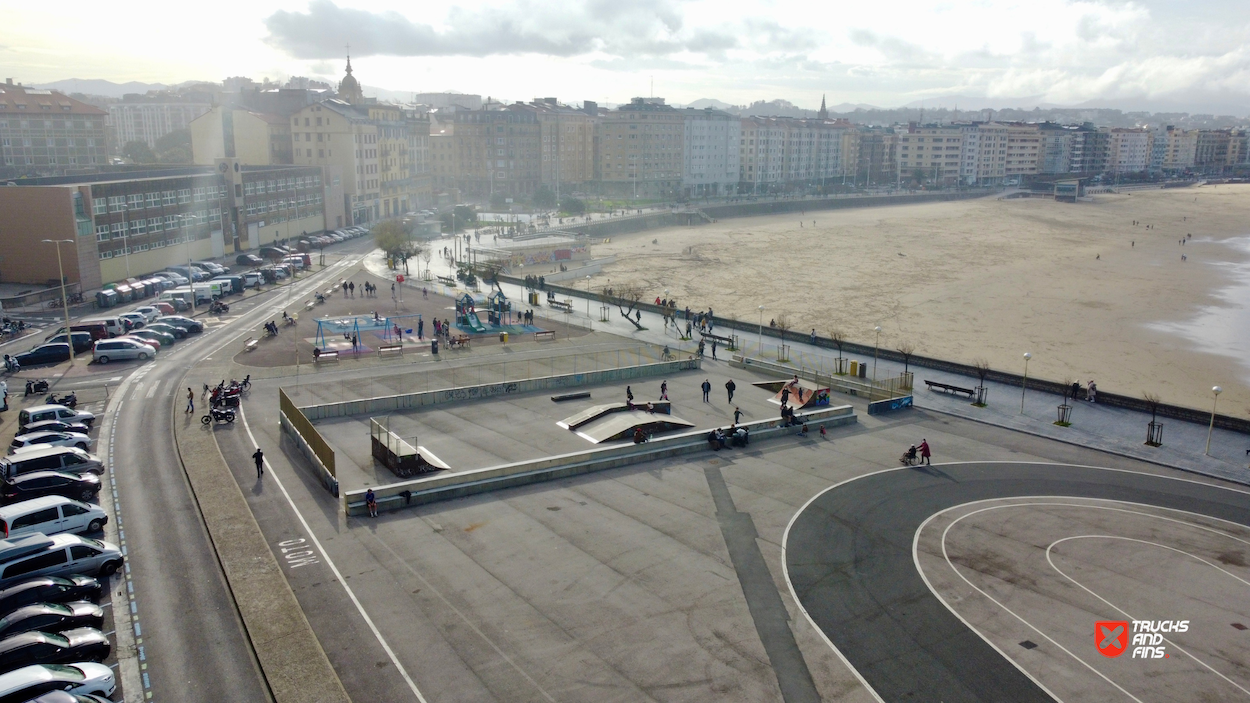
[[138, 226], [69, 509], [36, 563], [168, 197], [198, 194], [249, 188], [153, 199], [155, 224], [134, 201], [184, 195], [99, 206], [116, 203], [35, 518], [101, 233], [82, 551]]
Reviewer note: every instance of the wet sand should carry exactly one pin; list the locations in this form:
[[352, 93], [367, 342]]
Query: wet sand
[[993, 279]]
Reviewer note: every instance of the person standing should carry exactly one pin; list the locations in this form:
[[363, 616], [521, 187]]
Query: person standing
[[713, 349], [1091, 391], [371, 502], [1076, 389], [663, 390], [731, 387], [190, 400], [813, 335], [259, 458], [629, 395], [707, 388], [737, 415], [924, 452], [785, 395]]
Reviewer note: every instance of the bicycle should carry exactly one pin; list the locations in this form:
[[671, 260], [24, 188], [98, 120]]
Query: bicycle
[[667, 355]]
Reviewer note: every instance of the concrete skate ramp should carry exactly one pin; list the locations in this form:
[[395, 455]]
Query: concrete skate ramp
[[595, 412], [803, 394], [620, 425]]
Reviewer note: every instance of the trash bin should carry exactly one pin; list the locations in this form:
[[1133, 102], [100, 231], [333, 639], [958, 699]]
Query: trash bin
[[863, 370], [434, 346], [503, 337]]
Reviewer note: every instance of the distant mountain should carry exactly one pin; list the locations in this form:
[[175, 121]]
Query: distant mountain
[[966, 103], [851, 107], [712, 103], [96, 86]]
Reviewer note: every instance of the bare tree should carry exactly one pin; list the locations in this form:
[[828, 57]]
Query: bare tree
[[1153, 401], [838, 337], [907, 349], [783, 324], [982, 368], [625, 296]]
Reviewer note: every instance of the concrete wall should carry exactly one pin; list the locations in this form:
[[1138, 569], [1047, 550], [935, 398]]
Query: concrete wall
[[432, 489], [29, 214], [327, 479]]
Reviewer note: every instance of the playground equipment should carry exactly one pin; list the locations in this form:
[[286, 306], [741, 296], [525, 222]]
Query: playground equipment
[[466, 312], [389, 329], [498, 306]]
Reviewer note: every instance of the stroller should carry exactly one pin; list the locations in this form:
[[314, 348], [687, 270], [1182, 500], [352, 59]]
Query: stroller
[[910, 457]]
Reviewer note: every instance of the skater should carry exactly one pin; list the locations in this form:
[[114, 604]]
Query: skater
[[664, 390], [785, 396], [924, 451], [259, 457], [737, 415], [371, 502], [731, 387], [190, 400], [707, 388]]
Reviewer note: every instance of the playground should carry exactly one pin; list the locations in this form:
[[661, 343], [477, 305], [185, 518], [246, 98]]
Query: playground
[[330, 325]]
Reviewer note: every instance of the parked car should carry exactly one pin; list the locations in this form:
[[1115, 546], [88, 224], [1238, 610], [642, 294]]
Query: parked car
[[41, 555], [82, 341], [174, 276], [212, 267], [68, 459], [155, 344], [63, 697], [35, 484], [51, 617], [116, 349], [49, 439], [49, 589], [136, 320], [50, 515], [39, 413], [157, 338], [249, 260], [79, 678], [165, 308], [184, 322], [45, 354], [165, 328], [149, 312], [80, 644], [54, 426]]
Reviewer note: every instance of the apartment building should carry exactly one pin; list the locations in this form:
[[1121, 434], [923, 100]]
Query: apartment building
[[929, 153], [1173, 149], [142, 120], [419, 158], [642, 149], [1216, 149], [778, 153], [1129, 150], [1023, 151], [1055, 148], [45, 133], [712, 153], [254, 138], [875, 156], [336, 133], [492, 151], [984, 153], [1091, 150], [566, 144]]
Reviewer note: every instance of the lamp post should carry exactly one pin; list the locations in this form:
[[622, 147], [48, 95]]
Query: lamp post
[[64, 298], [760, 341], [1025, 383], [587, 296], [1215, 390], [876, 345]]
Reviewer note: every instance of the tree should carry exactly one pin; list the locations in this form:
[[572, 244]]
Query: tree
[[982, 368], [838, 337], [573, 206], [138, 152], [625, 297], [393, 239], [1153, 401], [174, 148], [907, 349], [464, 215], [498, 201], [544, 197]]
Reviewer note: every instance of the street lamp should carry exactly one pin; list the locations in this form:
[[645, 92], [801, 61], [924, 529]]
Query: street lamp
[[186, 237], [875, 346], [760, 341], [1024, 384], [64, 298], [588, 295], [1215, 390]]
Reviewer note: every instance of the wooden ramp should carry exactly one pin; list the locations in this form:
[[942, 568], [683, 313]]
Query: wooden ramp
[[621, 425], [595, 412]]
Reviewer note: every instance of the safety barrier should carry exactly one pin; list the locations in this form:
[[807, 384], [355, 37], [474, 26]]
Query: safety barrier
[[309, 440]]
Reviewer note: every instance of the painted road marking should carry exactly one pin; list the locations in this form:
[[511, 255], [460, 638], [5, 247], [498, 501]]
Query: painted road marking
[[152, 390], [296, 552]]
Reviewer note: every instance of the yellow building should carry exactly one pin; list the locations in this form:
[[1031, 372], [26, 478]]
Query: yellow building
[[254, 138]]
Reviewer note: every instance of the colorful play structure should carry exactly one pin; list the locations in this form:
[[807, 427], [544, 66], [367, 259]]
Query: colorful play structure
[[336, 332], [498, 311]]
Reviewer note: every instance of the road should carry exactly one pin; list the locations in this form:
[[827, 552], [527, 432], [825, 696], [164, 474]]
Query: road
[[190, 644], [849, 560]]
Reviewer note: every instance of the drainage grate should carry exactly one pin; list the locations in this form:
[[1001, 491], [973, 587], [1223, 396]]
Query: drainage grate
[[1028, 645]]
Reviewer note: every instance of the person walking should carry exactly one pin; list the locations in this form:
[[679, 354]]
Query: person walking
[[707, 388], [737, 415], [1076, 389], [259, 458], [1091, 391], [664, 390], [713, 349], [731, 387], [371, 502], [924, 452], [813, 335], [785, 395], [190, 400], [629, 395]]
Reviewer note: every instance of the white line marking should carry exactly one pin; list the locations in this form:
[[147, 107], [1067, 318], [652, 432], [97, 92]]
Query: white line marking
[[152, 390], [337, 575]]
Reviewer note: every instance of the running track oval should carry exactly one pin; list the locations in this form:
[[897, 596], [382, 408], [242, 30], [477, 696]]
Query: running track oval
[[848, 560]]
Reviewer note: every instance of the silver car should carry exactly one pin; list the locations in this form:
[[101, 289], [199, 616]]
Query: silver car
[[107, 350]]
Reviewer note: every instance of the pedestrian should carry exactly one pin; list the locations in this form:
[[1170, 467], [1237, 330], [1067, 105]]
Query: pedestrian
[[707, 388], [813, 335], [638, 315], [731, 387], [351, 288], [1091, 391], [664, 390], [1076, 389], [190, 400], [424, 293], [354, 343], [420, 329], [785, 395], [259, 457], [629, 395], [924, 451], [701, 348], [371, 502], [737, 415], [713, 348], [687, 328], [344, 286]]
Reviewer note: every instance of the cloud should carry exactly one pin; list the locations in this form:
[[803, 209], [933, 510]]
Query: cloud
[[640, 28]]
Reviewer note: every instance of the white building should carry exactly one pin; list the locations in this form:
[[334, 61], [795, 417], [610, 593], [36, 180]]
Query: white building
[[711, 152], [1130, 150], [787, 152], [147, 122]]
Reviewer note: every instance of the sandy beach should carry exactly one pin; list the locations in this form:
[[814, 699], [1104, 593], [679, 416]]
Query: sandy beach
[[1087, 292]]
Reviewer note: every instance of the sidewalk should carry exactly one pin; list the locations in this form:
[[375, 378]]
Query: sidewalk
[[1095, 426]]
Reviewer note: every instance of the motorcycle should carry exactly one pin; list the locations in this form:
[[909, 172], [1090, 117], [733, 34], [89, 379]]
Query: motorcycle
[[69, 401], [218, 308], [35, 386], [218, 415]]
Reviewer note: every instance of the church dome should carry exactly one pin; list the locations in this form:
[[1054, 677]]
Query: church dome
[[349, 87]]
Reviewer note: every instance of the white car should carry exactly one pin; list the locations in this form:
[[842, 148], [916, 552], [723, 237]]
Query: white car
[[137, 320], [81, 678], [175, 277], [49, 439], [149, 312], [107, 350]]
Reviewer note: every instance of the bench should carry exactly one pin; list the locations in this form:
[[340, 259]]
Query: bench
[[387, 348], [947, 388], [250, 344], [309, 305], [459, 341], [545, 334], [726, 342], [326, 356], [570, 396], [329, 291], [561, 305], [447, 281]]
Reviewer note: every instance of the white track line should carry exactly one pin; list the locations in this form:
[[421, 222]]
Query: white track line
[[337, 574]]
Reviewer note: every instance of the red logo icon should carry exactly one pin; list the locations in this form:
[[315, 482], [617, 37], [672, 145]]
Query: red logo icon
[[400, 278], [1111, 636]]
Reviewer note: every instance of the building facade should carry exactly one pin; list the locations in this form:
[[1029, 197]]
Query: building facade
[[45, 133], [496, 151], [642, 150], [712, 152], [1129, 150], [785, 153], [142, 121], [256, 139], [930, 153], [566, 143]]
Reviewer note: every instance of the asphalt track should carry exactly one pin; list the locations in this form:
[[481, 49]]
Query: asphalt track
[[848, 558]]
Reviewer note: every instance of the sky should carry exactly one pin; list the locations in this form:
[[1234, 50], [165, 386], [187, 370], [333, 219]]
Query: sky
[[1190, 55]]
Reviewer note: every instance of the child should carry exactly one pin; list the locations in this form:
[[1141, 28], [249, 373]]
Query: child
[[822, 431]]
